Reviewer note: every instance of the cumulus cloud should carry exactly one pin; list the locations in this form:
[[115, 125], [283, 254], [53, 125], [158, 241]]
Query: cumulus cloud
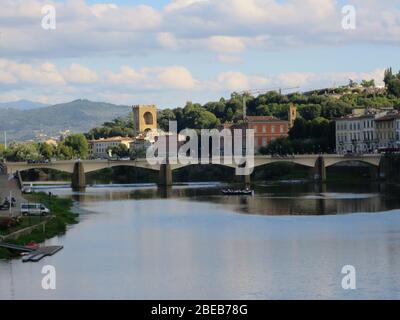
[[226, 44], [80, 74], [222, 26], [173, 77], [46, 73]]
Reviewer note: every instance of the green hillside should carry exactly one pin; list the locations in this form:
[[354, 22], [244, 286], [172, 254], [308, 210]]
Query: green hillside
[[77, 116]]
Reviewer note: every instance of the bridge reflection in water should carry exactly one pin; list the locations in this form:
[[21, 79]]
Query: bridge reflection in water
[[280, 199]]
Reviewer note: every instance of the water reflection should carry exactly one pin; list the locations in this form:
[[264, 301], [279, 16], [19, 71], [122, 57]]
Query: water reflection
[[272, 199], [187, 242]]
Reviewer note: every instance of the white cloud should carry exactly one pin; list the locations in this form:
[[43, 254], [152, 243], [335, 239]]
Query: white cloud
[[43, 74], [226, 44], [80, 74], [172, 77], [222, 26], [182, 4], [238, 81]]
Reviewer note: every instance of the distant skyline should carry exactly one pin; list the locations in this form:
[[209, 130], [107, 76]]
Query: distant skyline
[[168, 52]]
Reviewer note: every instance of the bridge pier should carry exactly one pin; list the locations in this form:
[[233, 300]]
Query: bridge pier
[[374, 173], [384, 168], [78, 177], [165, 179], [320, 170], [247, 180]]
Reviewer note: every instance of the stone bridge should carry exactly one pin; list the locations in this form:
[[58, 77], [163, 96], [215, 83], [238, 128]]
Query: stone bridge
[[78, 168]]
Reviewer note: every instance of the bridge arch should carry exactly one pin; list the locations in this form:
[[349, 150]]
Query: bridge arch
[[330, 163]]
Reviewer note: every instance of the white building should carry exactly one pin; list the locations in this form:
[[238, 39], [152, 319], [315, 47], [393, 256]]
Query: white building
[[357, 132], [388, 131], [99, 148]]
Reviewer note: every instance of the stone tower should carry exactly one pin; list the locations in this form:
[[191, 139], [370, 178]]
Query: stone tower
[[144, 118], [292, 115]]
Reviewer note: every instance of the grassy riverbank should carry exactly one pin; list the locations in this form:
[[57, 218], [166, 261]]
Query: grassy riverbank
[[57, 224]]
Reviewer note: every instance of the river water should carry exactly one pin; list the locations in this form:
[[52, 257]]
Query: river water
[[289, 241]]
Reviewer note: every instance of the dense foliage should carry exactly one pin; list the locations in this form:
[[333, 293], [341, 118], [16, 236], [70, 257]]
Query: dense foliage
[[73, 147]]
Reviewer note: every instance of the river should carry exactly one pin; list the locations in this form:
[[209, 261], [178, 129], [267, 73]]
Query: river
[[289, 241]]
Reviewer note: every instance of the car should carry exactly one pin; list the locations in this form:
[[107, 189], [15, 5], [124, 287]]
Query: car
[[26, 190], [34, 209]]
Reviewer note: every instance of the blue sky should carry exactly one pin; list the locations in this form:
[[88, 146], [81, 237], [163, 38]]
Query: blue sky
[[170, 51]]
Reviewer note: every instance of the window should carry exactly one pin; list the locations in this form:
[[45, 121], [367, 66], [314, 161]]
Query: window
[[272, 129], [264, 129], [282, 129]]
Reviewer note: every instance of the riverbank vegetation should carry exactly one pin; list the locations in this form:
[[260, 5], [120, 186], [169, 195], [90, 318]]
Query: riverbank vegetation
[[61, 217]]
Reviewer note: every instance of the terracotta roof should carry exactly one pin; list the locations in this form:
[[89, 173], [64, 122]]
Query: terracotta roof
[[263, 119]]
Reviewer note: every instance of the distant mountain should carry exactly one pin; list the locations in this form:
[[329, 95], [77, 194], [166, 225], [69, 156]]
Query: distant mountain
[[22, 105], [76, 116]]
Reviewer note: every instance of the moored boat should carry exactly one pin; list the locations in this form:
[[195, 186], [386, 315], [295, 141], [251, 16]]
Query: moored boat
[[236, 192]]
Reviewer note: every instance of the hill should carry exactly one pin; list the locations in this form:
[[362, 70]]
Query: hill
[[22, 105], [76, 116]]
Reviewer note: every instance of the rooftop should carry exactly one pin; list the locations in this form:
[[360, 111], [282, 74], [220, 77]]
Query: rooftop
[[112, 139], [389, 117], [263, 119]]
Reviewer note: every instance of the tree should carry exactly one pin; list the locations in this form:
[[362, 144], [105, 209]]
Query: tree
[[368, 83], [310, 111], [392, 82], [196, 117], [2, 150], [164, 116], [46, 150], [281, 146], [78, 145], [120, 151], [22, 152], [138, 152], [64, 152]]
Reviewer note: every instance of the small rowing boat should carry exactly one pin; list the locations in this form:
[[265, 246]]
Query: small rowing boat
[[232, 192]]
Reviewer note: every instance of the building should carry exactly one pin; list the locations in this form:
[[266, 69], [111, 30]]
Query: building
[[99, 148], [356, 133], [144, 118], [388, 131], [366, 130], [266, 129]]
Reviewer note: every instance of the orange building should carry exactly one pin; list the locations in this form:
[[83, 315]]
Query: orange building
[[266, 129]]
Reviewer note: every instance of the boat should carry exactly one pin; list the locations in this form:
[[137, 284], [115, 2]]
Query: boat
[[32, 245], [232, 192]]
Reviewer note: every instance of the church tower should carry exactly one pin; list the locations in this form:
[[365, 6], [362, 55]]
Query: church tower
[[144, 118]]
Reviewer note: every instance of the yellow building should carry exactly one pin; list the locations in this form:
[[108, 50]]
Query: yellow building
[[144, 117]]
